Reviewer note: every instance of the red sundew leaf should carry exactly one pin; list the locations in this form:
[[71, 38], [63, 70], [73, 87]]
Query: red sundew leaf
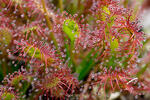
[[25, 10], [58, 83], [8, 93], [15, 78], [122, 80], [39, 51]]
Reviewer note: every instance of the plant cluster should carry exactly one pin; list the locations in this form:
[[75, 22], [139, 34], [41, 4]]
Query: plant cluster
[[48, 54]]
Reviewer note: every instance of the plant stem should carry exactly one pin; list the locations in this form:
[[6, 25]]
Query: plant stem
[[4, 65], [125, 3], [49, 24], [79, 3], [46, 14], [61, 5], [72, 55]]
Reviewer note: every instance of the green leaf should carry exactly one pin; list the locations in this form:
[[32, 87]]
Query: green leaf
[[114, 45], [68, 55], [86, 65], [71, 29]]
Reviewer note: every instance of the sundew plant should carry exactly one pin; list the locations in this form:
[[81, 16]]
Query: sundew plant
[[71, 50]]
